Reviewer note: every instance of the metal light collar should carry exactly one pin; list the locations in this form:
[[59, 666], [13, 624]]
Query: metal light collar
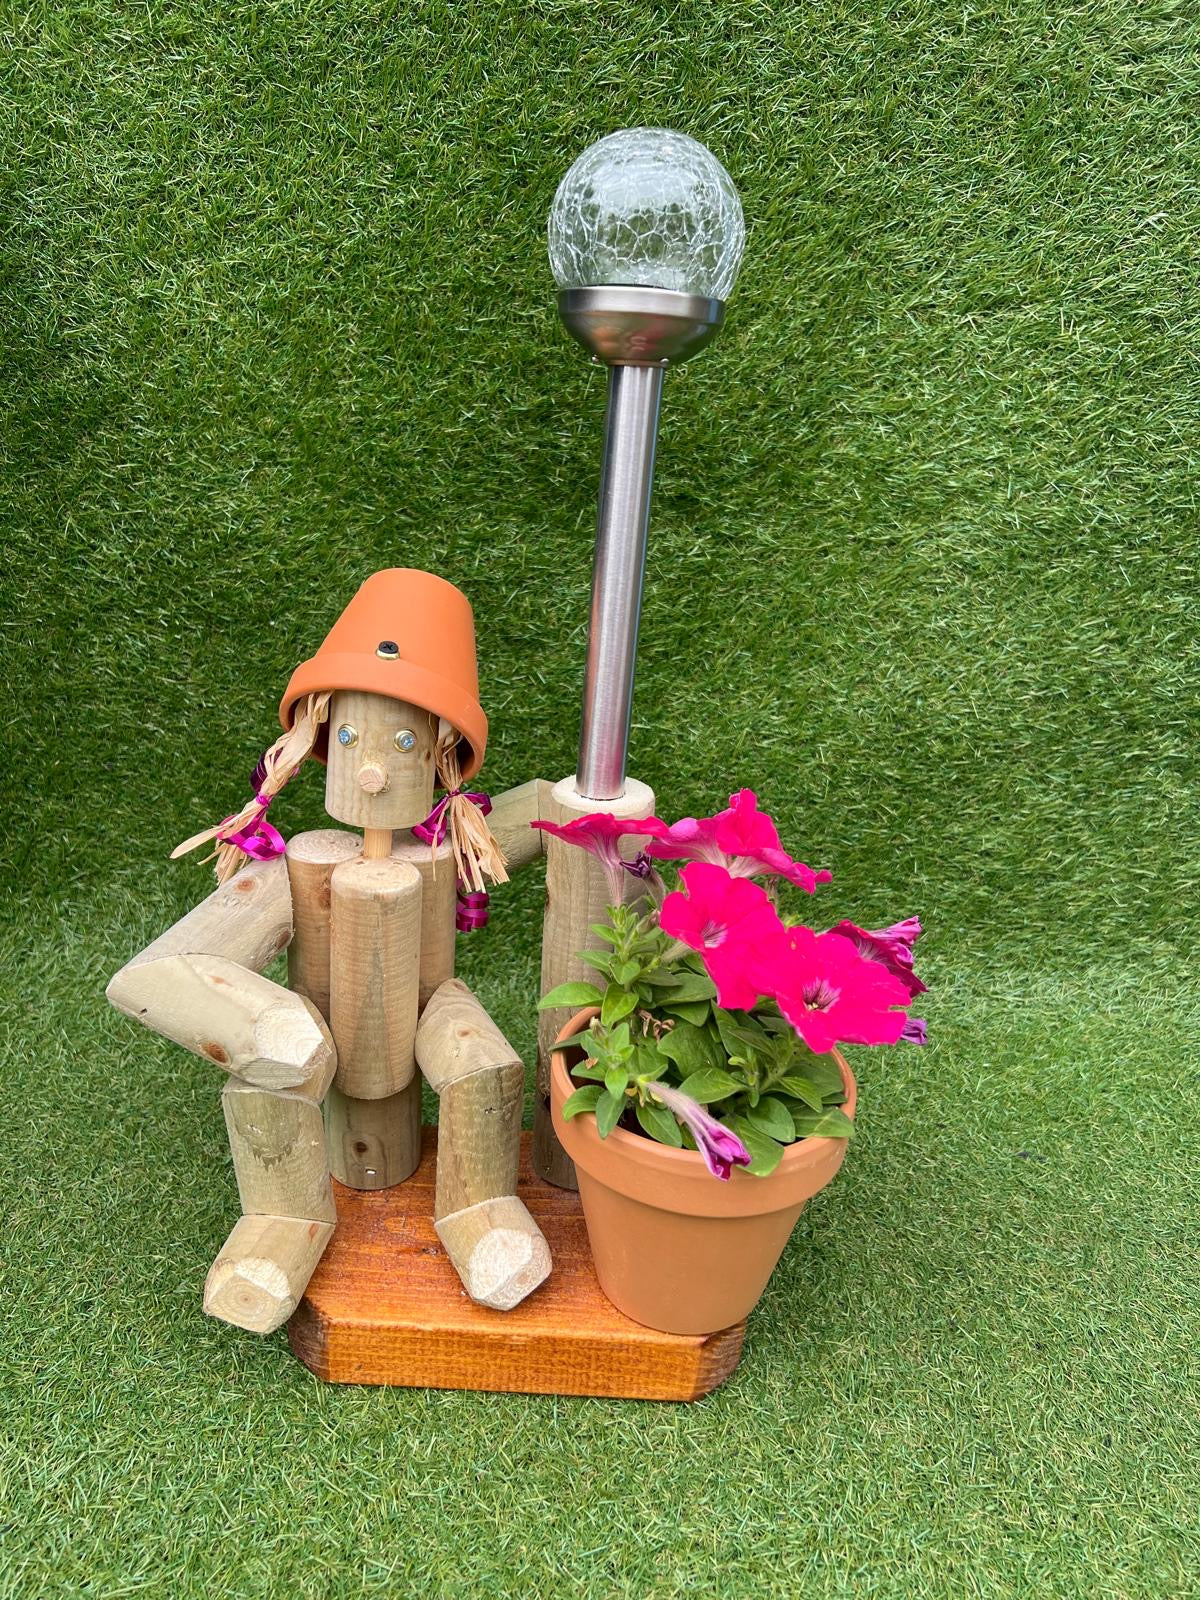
[[626, 325]]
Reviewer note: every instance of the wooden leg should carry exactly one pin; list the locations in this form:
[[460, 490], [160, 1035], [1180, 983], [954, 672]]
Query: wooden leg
[[496, 1247], [278, 1146], [263, 1269], [257, 1030], [577, 894]]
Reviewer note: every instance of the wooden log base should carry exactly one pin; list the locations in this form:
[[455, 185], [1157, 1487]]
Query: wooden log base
[[385, 1306]]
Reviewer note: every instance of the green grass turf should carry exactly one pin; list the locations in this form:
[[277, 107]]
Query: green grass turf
[[923, 571]]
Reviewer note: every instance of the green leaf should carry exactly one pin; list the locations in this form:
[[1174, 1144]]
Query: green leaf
[[618, 1003], [692, 986], [603, 931], [626, 972], [616, 1080], [710, 1084], [663, 978], [765, 1154], [582, 1100], [571, 994], [772, 1117], [801, 1089], [690, 1047], [828, 1124], [608, 1112], [587, 1069], [658, 1122], [584, 1040], [598, 961], [697, 1012], [823, 1071], [739, 1033]]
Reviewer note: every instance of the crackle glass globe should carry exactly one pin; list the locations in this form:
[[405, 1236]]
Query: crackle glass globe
[[650, 207]]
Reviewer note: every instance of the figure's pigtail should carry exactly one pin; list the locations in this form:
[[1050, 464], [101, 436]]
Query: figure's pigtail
[[460, 814], [247, 835]]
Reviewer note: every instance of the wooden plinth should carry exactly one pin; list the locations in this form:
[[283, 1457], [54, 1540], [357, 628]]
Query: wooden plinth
[[385, 1306]]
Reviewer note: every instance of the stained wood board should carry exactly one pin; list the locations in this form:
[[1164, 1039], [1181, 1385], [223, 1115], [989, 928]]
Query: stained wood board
[[386, 1307]]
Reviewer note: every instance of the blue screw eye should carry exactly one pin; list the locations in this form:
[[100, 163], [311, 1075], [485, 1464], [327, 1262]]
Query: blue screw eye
[[346, 735]]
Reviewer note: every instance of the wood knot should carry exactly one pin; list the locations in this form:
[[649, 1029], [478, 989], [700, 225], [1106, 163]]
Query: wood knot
[[244, 886], [216, 1052]]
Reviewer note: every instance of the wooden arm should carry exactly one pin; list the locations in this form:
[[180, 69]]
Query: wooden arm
[[509, 820], [247, 920]]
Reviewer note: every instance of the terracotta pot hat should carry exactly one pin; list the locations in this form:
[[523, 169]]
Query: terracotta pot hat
[[410, 635]]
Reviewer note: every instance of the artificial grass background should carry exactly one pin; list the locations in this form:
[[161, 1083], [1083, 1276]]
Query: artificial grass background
[[922, 571]]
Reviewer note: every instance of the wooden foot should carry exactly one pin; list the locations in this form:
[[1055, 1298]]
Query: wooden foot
[[498, 1251], [263, 1268], [385, 1305]]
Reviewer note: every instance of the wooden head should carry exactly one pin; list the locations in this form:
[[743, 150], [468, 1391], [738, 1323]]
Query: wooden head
[[380, 771]]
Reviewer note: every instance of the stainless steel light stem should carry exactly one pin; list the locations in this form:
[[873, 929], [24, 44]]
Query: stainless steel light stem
[[626, 480], [636, 331]]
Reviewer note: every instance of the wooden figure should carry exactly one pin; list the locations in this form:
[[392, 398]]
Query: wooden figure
[[390, 704]]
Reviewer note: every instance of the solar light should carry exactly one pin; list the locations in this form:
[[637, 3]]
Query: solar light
[[646, 238]]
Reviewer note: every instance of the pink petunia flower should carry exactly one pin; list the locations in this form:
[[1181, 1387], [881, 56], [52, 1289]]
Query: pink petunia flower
[[728, 920], [891, 947], [741, 838], [831, 994], [720, 1146], [601, 833]]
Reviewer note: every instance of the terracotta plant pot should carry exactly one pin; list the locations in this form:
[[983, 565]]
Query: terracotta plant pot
[[675, 1248], [410, 635]]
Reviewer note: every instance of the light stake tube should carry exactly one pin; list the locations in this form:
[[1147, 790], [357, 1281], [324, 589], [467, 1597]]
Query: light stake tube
[[626, 481]]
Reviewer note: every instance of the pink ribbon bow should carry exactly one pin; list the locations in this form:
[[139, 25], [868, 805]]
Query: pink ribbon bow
[[472, 911], [257, 839], [436, 825]]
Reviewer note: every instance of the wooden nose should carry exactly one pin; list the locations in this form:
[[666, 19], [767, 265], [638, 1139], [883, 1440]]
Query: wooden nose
[[372, 778]]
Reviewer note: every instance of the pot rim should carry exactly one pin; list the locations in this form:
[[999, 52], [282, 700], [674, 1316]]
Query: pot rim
[[642, 1168]]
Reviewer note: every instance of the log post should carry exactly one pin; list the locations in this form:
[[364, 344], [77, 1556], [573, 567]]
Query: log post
[[439, 904], [375, 941], [374, 1114], [311, 858], [577, 895], [263, 1269], [495, 1246], [374, 1144]]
